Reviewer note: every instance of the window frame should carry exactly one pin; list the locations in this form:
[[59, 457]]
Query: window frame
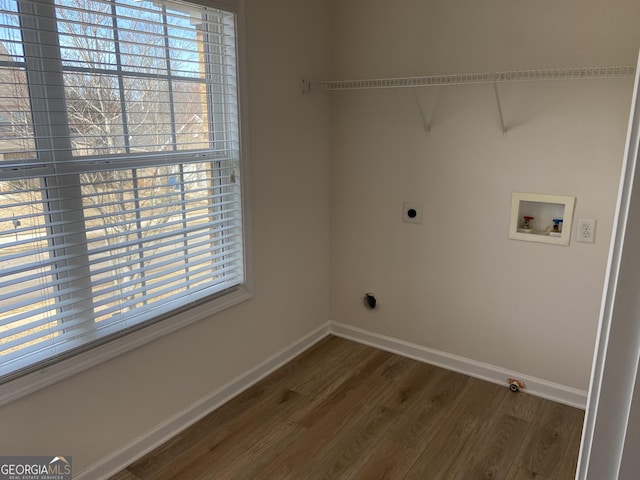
[[172, 321]]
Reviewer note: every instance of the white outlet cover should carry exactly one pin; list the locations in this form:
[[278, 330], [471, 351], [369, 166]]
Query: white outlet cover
[[411, 212], [586, 232]]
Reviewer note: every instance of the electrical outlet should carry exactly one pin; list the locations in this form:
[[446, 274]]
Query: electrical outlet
[[586, 230], [411, 212]]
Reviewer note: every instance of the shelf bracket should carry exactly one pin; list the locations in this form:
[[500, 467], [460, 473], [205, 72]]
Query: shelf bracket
[[503, 130], [423, 117]]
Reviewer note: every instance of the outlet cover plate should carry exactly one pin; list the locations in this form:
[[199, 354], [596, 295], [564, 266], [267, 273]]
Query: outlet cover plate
[[586, 230], [411, 212]]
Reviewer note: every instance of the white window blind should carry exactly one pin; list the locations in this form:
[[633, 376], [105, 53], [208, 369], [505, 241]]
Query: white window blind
[[120, 196]]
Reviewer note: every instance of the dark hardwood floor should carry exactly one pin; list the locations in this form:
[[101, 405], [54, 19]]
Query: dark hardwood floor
[[345, 410]]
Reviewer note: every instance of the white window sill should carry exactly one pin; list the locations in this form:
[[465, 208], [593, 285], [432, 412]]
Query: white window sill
[[32, 382]]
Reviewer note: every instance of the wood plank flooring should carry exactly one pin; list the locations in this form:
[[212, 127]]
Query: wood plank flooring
[[342, 410]]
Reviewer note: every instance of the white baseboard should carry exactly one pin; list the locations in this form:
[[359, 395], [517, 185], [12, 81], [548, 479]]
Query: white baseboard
[[484, 371], [155, 437], [121, 458]]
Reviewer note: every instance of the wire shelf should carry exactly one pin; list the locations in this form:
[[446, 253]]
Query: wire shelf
[[577, 73]]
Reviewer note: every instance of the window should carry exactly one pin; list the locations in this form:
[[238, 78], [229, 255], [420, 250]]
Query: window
[[120, 173]]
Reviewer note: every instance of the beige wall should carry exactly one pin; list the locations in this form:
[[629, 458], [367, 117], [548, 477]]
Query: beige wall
[[94, 413], [456, 283]]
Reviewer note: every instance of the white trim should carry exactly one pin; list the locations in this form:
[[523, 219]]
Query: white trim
[[484, 371], [615, 359], [245, 155], [155, 437], [32, 382]]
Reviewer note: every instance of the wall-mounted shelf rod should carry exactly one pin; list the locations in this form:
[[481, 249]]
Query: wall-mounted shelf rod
[[577, 73]]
